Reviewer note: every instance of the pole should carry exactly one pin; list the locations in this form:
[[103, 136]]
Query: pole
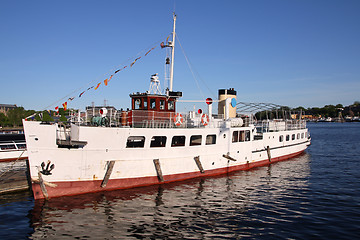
[[172, 55]]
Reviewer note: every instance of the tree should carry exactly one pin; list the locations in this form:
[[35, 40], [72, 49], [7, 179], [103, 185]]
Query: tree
[[4, 121]]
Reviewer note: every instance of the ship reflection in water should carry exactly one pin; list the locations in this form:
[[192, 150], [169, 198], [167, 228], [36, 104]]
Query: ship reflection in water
[[266, 201]]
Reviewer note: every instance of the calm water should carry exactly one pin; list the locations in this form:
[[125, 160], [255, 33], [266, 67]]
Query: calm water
[[314, 196]]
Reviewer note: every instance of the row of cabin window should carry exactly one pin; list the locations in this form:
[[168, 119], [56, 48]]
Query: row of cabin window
[[177, 141], [281, 137], [12, 146], [241, 136], [138, 104]]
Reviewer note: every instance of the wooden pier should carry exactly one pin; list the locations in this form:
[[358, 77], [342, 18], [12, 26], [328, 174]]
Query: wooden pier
[[14, 179]]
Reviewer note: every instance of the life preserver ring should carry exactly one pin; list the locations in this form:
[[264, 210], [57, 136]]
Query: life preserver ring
[[205, 119], [178, 119]]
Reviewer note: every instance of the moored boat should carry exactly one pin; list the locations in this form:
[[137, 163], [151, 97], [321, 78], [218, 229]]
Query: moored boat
[[152, 143], [12, 147]]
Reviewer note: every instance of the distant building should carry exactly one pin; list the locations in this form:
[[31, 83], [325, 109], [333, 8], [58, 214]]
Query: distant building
[[303, 116], [4, 108]]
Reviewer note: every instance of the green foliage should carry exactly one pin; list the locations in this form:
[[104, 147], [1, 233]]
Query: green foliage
[[16, 115], [47, 117], [63, 118], [4, 121]]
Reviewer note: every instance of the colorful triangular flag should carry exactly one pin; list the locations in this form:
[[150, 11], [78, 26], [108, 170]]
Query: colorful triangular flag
[[98, 85], [65, 105]]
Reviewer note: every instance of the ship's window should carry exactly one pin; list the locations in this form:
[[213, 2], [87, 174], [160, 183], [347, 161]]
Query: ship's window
[[178, 141], [287, 137], [195, 140], [145, 104], [298, 136], [21, 145], [171, 105], [7, 146], [242, 136], [135, 142], [293, 137], [158, 141], [247, 135], [210, 139], [302, 135], [235, 137], [281, 138], [162, 104], [138, 103], [152, 103]]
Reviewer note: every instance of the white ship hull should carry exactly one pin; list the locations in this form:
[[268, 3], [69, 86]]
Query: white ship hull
[[83, 170]]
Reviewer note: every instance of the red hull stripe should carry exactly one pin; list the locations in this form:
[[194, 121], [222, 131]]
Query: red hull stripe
[[12, 159], [81, 187]]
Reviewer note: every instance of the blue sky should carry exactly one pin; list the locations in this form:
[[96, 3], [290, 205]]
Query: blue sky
[[294, 53]]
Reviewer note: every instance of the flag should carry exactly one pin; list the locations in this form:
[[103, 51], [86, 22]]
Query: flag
[[31, 116], [49, 112], [117, 70], [134, 61], [98, 85], [81, 94], [162, 45], [57, 109], [89, 88], [70, 99], [65, 105], [106, 81], [41, 115], [149, 51]]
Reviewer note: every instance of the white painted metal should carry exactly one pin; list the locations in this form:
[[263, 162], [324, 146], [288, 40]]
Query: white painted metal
[[172, 55]]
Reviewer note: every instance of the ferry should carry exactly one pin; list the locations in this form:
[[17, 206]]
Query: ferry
[[12, 147], [152, 143]]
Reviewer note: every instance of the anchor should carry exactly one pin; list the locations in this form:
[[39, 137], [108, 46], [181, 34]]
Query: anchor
[[47, 171]]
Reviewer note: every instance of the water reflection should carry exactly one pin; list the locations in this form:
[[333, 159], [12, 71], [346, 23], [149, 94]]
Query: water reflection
[[229, 206]]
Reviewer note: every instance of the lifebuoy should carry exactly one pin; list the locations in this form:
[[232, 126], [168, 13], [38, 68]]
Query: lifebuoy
[[205, 119], [178, 119]]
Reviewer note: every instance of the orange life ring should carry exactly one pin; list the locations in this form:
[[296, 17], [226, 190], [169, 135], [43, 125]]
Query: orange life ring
[[205, 119], [178, 119]]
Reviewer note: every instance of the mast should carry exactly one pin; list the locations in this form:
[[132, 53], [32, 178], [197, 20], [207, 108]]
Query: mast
[[172, 55]]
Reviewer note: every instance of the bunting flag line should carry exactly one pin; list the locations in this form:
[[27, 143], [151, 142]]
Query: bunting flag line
[[98, 85], [65, 105], [107, 80]]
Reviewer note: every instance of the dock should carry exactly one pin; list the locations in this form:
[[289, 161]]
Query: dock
[[13, 177]]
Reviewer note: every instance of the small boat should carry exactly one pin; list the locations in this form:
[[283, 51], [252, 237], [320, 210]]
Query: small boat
[[12, 147], [153, 143]]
